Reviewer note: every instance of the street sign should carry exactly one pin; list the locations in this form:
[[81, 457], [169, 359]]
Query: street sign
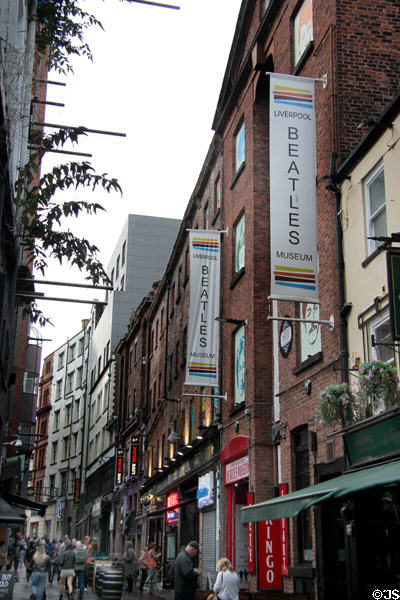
[[6, 585]]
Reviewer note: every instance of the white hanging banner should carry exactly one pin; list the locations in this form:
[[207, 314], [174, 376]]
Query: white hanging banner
[[293, 214], [203, 329]]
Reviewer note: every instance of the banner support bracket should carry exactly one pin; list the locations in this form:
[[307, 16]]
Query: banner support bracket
[[323, 80], [224, 397], [330, 323]]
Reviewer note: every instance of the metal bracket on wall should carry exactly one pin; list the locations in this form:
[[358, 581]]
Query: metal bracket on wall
[[330, 323]]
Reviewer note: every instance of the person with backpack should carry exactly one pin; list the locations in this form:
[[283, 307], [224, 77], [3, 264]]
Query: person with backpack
[[67, 564], [80, 566]]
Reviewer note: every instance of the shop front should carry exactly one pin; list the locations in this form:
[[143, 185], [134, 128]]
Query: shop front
[[357, 513], [179, 505], [235, 460]]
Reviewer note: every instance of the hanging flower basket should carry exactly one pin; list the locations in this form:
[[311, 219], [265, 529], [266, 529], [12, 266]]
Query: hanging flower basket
[[378, 381], [337, 405]]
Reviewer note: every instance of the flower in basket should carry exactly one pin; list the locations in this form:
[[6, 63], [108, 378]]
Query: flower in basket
[[378, 381], [336, 405]]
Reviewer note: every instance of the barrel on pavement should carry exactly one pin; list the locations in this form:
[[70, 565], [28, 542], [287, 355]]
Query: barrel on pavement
[[110, 584]]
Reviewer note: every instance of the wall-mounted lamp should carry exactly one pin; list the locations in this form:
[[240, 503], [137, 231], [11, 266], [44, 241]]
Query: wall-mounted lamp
[[15, 443]]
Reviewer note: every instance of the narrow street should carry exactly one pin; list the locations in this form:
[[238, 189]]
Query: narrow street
[[22, 591]]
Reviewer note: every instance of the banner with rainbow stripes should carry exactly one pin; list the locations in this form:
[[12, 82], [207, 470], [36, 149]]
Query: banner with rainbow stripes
[[293, 216], [203, 329]]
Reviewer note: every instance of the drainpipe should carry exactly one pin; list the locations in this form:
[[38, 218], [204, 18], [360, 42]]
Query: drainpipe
[[344, 308], [86, 421], [165, 394]]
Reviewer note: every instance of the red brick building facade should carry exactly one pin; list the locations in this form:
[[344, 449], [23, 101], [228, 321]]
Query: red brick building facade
[[263, 432]]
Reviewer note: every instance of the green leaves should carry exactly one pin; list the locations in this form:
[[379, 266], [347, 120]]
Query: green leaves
[[42, 214], [62, 25]]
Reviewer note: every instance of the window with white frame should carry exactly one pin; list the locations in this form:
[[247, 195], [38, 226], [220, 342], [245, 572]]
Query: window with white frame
[[54, 448], [79, 378], [374, 189], [68, 414], [65, 447], [60, 363], [70, 381], [380, 329], [302, 29]]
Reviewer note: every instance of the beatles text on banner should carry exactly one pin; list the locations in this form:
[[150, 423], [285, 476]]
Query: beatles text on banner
[[202, 347], [292, 189]]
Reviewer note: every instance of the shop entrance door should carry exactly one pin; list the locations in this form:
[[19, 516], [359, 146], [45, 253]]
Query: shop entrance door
[[240, 553]]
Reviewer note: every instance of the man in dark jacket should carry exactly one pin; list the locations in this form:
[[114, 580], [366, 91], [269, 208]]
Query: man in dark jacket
[[185, 575]]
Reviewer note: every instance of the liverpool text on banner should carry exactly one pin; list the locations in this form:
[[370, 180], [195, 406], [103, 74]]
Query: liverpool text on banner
[[293, 189], [203, 329]]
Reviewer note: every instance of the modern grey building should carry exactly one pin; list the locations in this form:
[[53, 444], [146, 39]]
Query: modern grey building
[[139, 259]]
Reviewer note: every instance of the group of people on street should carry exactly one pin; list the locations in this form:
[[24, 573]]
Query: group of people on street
[[67, 559], [147, 564], [186, 576], [44, 559]]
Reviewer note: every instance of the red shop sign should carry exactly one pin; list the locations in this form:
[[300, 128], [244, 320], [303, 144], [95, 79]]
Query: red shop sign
[[250, 538], [269, 554], [173, 510], [283, 490]]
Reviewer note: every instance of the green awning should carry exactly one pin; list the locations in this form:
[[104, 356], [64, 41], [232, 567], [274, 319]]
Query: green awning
[[338, 487]]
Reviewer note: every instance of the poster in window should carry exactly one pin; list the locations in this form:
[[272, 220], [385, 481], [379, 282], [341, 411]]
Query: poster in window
[[303, 29], [218, 194], [240, 244], [239, 366], [310, 333]]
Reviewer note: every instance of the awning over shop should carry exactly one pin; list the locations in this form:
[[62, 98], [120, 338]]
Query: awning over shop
[[338, 487], [8, 516], [23, 502], [11, 468]]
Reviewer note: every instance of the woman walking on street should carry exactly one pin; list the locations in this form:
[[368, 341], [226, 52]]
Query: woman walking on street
[[227, 584], [38, 567], [129, 560], [67, 564]]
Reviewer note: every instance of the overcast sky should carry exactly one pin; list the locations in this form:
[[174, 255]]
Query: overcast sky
[[156, 76]]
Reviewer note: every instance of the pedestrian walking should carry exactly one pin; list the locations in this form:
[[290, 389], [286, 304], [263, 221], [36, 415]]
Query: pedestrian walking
[[227, 583], [80, 566], [53, 567], [129, 560], [143, 567], [88, 548], [3, 555], [39, 566], [185, 575], [28, 558], [151, 562], [67, 564]]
